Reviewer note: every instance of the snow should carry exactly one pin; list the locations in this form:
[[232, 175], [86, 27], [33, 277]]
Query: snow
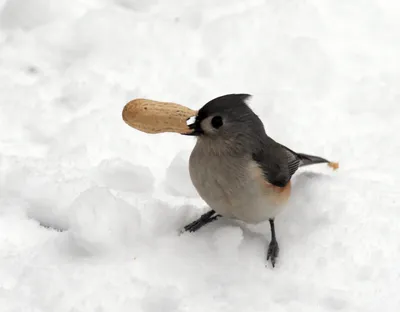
[[177, 178], [91, 209], [99, 222], [122, 175]]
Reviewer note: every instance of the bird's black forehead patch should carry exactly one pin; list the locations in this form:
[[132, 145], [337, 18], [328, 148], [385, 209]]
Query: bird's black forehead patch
[[224, 104]]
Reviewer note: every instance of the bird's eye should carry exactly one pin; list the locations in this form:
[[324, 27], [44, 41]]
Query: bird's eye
[[216, 122]]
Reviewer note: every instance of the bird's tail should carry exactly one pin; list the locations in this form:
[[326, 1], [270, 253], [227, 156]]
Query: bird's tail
[[306, 160]]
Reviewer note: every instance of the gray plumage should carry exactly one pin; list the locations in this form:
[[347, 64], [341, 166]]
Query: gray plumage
[[237, 169], [243, 135]]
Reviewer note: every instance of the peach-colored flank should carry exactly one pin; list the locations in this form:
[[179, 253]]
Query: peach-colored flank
[[275, 194]]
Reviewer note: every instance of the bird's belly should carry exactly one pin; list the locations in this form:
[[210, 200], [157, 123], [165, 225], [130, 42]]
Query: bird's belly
[[215, 192], [238, 196], [255, 209]]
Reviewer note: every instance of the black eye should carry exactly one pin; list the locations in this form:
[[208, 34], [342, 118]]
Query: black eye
[[216, 122]]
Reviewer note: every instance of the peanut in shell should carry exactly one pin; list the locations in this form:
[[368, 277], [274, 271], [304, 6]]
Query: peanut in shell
[[157, 117]]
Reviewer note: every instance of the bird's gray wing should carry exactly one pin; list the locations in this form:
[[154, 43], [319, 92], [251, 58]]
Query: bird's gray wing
[[277, 163]]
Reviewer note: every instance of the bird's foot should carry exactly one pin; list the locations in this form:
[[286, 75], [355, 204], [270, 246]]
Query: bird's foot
[[204, 219], [273, 252]]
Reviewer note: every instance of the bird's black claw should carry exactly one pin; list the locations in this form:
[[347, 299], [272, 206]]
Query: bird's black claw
[[194, 226], [273, 252], [206, 218]]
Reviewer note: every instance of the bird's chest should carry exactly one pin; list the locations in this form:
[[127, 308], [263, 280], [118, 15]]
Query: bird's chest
[[222, 181]]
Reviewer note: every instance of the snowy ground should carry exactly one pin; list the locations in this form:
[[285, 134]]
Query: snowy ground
[[325, 79]]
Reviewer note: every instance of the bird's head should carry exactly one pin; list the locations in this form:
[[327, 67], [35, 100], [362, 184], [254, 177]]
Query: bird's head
[[225, 117]]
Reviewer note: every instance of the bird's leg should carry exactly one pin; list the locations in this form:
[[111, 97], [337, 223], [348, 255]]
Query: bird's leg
[[204, 219], [273, 248]]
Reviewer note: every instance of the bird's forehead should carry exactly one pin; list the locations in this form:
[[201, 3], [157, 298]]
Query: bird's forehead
[[227, 105], [217, 109]]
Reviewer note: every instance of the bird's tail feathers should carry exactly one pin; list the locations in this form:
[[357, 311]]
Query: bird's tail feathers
[[306, 160]]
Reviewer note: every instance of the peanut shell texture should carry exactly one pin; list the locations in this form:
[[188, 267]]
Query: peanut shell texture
[[157, 117]]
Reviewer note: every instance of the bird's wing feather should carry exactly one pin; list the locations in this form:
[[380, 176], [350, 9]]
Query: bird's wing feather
[[277, 163]]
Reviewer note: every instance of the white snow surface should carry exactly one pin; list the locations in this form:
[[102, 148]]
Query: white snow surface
[[91, 209]]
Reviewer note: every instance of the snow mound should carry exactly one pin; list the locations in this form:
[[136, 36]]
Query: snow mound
[[28, 14], [162, 299], [122, 175], [100, 223], [227, 240], [177, 180]]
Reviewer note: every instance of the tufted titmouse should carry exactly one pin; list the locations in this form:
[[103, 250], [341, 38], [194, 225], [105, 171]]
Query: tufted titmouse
[[237, 169]]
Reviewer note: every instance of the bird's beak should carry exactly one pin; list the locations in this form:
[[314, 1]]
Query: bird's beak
[[194, 126]]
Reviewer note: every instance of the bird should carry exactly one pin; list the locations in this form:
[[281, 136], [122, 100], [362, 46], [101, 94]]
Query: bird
[[239, 171]]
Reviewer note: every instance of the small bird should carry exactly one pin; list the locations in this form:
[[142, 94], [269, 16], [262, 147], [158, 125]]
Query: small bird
[[237, 169]]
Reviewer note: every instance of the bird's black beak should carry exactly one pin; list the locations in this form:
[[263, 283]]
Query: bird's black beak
[[194, 124]]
